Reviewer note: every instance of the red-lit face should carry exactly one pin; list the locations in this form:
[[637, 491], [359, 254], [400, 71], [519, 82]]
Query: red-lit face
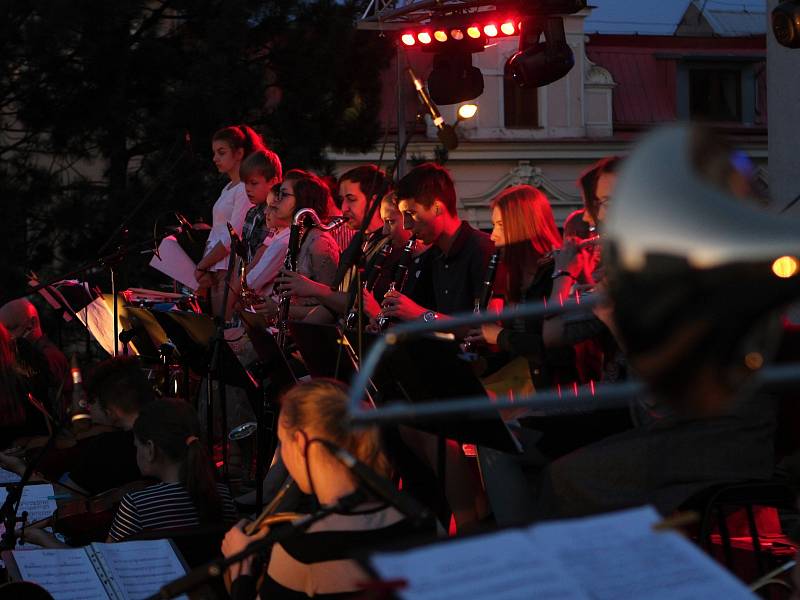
[[354, 203], [426, 223], [225, 158], [393, 224], [284, 202], [257, 188], [498, 233]]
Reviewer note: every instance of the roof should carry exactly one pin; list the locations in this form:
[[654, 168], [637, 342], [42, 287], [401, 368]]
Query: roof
[[645, 17], [662, 17], [731, 18], [645, 71]]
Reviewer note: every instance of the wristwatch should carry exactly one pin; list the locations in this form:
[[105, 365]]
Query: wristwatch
[[429, 316]]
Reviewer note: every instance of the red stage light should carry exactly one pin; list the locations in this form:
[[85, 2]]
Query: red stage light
[[456, 34], [424, 37], [490, 30], [507, 28], [440, 35], [408, 39], [473, 32]]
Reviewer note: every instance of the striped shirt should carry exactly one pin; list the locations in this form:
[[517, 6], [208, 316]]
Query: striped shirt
[[162, 506], [322, 562]]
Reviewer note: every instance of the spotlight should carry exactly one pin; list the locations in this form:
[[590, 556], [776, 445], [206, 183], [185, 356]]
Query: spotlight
[[457, 34], [474, 32], [536, 63], [408, 39], [490, 30], [440, 36], [466, 111], [786, 24], [424, 37], [454, 79], [508, 28]]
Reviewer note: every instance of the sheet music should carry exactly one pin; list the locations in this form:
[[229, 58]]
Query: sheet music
[[175, 263], [67, 574], [139, 569], [618, 556], [502, 566], [35, 500], [8, 477]]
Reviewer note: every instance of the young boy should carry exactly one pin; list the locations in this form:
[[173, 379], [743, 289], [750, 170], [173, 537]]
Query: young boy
[[260, 172]]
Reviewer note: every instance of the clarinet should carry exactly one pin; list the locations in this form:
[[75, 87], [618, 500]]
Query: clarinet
[[303, 218], [482, 301], [351, 320], [400, 276], [289, 264]]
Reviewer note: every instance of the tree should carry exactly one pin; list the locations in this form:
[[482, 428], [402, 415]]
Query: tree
[[109, 106]]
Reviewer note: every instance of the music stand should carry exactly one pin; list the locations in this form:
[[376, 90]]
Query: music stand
[[276, 376], [322, 349], [144, 330], [192, 335], [427, 369]]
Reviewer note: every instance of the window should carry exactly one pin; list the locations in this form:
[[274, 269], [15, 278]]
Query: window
[[520, 106], [715, 94]]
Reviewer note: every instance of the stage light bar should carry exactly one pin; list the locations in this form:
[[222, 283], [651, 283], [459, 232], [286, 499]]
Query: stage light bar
[[453, 36]]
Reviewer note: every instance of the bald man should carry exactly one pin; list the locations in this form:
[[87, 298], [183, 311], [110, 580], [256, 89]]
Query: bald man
[[21, 319]]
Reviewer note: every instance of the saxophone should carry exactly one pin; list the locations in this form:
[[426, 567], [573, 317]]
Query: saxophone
[[304, 219], [351, 320], [400, 276]]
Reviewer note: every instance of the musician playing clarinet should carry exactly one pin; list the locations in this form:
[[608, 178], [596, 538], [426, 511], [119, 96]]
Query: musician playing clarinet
[[357, 188], [525, 231]]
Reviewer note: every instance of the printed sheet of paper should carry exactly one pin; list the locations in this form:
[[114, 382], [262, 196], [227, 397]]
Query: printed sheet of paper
[[8, 477], [616, 556], [35, 500], [67, 574], [174, 262], [619, 556], [140, 569], [502, 566]]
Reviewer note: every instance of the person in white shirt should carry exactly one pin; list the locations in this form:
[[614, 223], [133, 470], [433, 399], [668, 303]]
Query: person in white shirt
[[230, 146]]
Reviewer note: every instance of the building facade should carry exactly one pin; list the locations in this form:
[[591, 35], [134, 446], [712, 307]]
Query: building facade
[[622, 84]]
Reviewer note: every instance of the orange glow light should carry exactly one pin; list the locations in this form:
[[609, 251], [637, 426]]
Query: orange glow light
[[507, 28], [408, 39], [490, 30], [440, 35], [474, 32], [456, 34], [424, 37], [785, 267]]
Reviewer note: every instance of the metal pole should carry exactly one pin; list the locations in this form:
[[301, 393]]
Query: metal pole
[[400, 150]]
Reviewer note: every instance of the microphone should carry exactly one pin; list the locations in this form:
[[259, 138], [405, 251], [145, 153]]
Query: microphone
[[377, 485], [446, 133]]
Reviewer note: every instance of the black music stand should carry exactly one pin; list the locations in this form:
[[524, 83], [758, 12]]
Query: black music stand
[[276, 376], [323, 350], [140, 326], [192, 335]]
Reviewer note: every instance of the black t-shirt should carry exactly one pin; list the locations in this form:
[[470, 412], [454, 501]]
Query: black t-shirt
[[108, 460], [458, 275]]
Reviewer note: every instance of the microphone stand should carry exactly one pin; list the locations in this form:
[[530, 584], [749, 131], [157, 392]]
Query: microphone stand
[[357, 257], [215, 568], [215, 369]]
